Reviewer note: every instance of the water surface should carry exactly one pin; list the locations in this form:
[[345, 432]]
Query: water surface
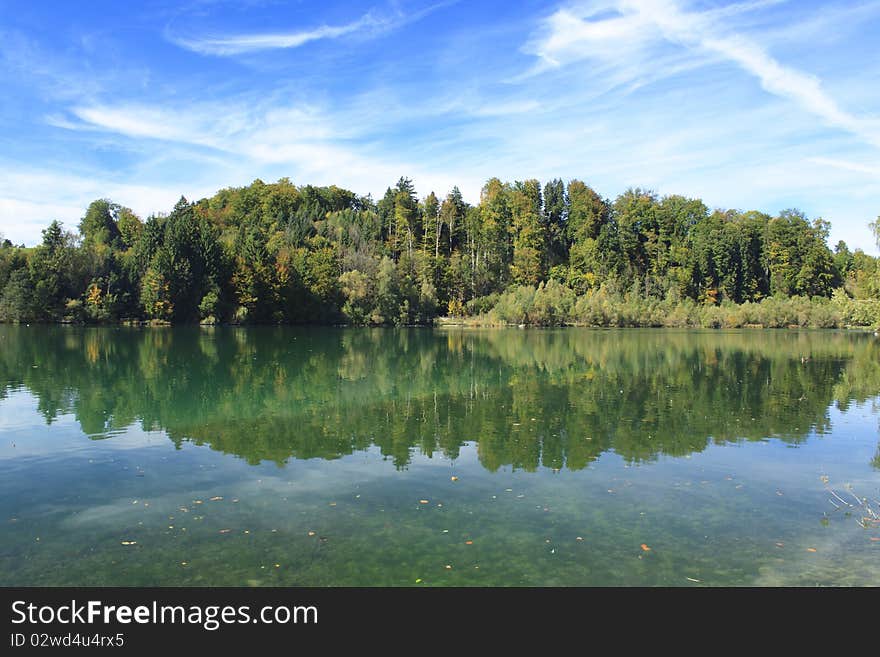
[[374, 457]]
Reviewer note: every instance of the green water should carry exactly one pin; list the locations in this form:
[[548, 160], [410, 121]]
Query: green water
[[418, 457]]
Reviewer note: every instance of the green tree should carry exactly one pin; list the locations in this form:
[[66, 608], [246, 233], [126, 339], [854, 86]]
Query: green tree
[[17, 297], [99, 226], [431, 219], [554, 218], [528, 266], [586, 212], [130, 228]]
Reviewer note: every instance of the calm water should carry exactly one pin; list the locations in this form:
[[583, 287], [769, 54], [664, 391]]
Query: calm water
[[285, 457]]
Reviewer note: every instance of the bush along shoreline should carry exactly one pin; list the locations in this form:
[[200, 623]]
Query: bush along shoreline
[[525, 254], [555, 305]]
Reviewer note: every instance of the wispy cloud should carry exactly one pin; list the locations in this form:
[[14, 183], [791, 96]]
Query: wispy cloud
[[250, 139], [265, 134], [370, 24], [845, 165], [244, 43], [629, 37]]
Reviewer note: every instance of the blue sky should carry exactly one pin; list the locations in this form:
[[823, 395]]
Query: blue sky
[[756, 104]]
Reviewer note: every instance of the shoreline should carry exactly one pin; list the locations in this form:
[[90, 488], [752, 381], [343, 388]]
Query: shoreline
[[448, 323]]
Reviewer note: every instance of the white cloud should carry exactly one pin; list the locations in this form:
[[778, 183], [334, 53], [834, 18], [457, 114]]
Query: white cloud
[[21, 221], [210, 125], [307, 143], [25, 210], [299, 136], [244, 43], [506, 108], [571, 38], [634, 38], [803, 88], [369, 25], [857, 167], [133, 122]]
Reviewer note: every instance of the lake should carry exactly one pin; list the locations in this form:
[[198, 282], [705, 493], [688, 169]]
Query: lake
[[419, 457]]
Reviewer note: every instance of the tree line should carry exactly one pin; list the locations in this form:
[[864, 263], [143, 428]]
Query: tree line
[[282, 253]]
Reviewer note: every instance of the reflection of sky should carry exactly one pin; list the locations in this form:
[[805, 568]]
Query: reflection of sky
[[843, 454], [19, 410], [23, 425]]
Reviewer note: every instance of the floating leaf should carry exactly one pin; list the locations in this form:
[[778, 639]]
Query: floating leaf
[[418, 580]]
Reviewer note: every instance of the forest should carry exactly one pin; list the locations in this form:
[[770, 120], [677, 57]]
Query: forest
[[526, 254]]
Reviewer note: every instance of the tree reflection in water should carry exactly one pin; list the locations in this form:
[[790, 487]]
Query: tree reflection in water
[[554, 398]]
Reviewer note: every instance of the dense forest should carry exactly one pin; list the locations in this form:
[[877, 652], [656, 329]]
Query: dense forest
[[526, 254]]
